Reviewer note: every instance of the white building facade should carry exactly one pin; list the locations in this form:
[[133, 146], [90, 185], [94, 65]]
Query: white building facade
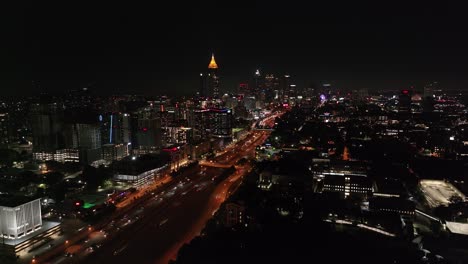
[[18, 221]]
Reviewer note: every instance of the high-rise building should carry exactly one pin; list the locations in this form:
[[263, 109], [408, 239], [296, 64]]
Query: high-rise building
[[213, 122], [47, 125], [87, 138], [200, 122], [111, 152], [221, 125], [430, 89], [285, 87], [148, 135], [203, 89], [110, 128], [4, 130], [428, 97], [404, 101], [126, 129], [213, 78], [258, 84], [271, 87]]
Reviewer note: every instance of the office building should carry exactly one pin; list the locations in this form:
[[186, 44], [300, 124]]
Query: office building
[[141, 171], [213, 78], [200, 122], [221, 125], [19, 217], [87, 138], [347, 185], [47, 127], [111, 152], [203, 88], [4, 130], [111, 128], [346, 178], [148, 135]]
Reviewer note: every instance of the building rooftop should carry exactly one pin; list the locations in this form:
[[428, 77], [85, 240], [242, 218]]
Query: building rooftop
[[14, 200], [390, 187], [135, 166]]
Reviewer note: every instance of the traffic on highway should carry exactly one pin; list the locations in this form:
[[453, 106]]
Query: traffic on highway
[[170, 213]]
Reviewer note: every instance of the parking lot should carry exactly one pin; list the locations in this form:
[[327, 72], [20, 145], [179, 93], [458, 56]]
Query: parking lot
[[439, 193]]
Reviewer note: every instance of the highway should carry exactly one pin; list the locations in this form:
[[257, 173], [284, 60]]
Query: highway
[[151, 225], [165, 225]]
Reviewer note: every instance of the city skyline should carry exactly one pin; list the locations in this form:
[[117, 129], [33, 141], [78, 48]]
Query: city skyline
[[231, 132], [133, 49]]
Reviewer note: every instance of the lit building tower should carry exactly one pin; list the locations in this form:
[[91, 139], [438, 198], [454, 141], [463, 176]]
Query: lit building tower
[[213, 81], [285, 85], [202, 92], [257, 87]]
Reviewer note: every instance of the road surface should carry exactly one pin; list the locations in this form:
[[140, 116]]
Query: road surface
[[152, 227]]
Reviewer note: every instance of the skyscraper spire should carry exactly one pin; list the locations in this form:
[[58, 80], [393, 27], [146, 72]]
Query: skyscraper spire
[[212, 64]]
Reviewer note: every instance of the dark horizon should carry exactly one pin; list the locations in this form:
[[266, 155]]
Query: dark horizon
[[161, 49]]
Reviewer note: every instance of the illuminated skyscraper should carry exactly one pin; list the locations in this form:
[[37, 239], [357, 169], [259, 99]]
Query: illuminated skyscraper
[[258, 84], [213, 78], [202, 92]]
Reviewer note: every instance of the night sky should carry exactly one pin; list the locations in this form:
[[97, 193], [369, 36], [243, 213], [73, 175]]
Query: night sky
[[118, 47]]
